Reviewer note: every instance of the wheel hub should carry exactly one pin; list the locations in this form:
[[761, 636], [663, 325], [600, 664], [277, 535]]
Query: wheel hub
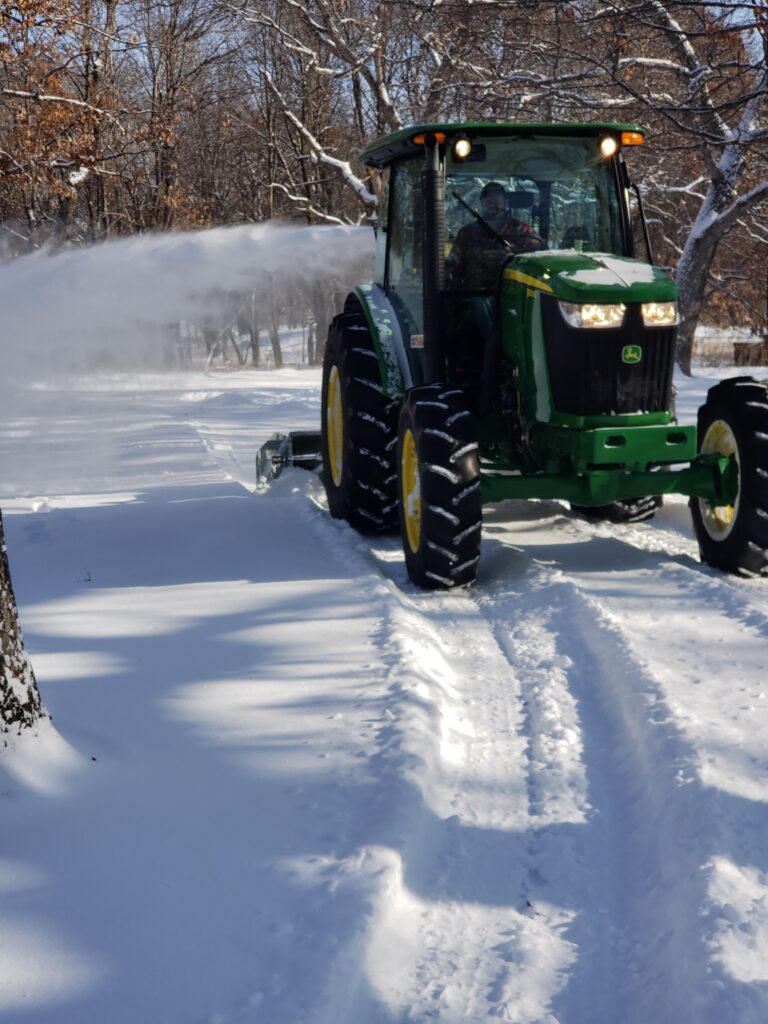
[[335, 426], [411, 491], [718, 520]]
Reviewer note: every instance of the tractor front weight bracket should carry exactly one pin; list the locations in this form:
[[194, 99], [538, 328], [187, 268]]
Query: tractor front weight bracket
[[711, 477]]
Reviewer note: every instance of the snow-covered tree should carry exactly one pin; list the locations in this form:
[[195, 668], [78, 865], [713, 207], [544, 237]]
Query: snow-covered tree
[[697, 72], [128, 115], [20, 704], [693, 71]]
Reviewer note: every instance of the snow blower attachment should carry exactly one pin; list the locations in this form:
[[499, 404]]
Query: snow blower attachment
[[299, 448], [512, 345]]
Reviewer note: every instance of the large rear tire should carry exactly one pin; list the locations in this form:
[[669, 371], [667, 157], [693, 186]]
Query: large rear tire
[[359, 430], [439, 488], [734, 422]]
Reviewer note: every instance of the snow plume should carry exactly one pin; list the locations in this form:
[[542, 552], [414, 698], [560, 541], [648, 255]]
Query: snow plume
[[111, 300], [109, 306]]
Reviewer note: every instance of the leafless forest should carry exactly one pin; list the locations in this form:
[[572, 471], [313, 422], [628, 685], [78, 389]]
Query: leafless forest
[[124, 116]]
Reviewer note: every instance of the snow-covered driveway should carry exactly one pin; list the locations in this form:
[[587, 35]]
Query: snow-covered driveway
[[293, 789]]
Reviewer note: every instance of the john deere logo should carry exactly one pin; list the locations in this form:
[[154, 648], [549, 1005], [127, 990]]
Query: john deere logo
[[631, 354]]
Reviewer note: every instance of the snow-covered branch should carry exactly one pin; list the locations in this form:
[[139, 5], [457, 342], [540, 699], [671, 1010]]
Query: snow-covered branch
[[306, 206], [41, 97], [332, 31], [319, 152]]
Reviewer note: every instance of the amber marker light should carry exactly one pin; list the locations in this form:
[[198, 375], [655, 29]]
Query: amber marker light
[[419, 140], [632, 138]]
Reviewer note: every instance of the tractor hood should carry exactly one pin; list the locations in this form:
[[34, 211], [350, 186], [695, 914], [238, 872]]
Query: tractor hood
[[591, 277]]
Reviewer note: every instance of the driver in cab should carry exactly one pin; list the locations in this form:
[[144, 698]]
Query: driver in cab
[[481, 246]]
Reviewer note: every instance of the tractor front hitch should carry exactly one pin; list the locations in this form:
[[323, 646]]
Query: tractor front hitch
[[711, 477]]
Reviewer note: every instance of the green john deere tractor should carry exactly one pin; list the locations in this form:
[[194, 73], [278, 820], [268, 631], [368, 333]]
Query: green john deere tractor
[[512, 345]]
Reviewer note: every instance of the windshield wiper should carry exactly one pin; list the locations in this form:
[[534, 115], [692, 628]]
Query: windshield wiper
[[485, 225]]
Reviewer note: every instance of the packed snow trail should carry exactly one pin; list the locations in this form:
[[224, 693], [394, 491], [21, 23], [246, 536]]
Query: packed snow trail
[[606, 754], [320, 796]]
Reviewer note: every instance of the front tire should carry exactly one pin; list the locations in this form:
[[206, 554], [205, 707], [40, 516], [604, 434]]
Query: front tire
[[734, 422], [439, 488], [359, 430]]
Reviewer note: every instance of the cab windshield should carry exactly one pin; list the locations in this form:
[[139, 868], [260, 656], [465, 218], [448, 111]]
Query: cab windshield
[[531, 193]]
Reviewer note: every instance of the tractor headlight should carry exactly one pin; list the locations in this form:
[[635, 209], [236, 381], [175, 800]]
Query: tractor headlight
[[660, 314], [593, 314], [462, 147]]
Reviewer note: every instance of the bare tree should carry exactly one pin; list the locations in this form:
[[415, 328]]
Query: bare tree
[[20, 705], [124, 115], [722, 114], [694, 72]]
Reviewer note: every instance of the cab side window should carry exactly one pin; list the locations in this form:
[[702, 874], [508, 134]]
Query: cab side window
[[382, 223], [404, 266]]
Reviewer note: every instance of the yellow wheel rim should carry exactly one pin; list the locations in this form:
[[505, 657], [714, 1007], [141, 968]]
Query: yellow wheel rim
[[409, 469], [334, 422], [718, 520]]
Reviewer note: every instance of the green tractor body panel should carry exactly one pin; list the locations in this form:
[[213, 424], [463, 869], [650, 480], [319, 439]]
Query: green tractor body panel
[[592, 277], [572, 431]]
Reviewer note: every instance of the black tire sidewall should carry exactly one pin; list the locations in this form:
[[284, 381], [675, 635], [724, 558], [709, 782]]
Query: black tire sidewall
[[338, 495], [742, 551], [366, 495], [440, 562]]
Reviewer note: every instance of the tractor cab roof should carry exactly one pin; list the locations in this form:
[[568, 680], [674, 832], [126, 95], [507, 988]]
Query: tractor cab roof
[[410, 141]]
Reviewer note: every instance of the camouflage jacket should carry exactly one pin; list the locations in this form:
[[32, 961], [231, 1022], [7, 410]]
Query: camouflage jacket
[[476, 255]]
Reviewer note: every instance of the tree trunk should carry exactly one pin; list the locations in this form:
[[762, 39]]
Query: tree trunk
[[210, 337], [274, 330], [693, 270], [248, 323], [20, 704], [322, 319], [274, 337], [255, 347], [232, 338]]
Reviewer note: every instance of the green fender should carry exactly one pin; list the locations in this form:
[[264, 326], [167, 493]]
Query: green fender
[[396, 376]]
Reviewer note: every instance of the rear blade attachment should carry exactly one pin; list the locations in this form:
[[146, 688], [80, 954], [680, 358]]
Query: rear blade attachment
[[300, 448]]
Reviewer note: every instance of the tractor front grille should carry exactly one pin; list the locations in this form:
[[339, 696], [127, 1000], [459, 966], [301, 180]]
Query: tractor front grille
[[589, 376]]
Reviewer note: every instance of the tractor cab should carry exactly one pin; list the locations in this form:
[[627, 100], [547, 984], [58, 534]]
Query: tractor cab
[[471, 199]]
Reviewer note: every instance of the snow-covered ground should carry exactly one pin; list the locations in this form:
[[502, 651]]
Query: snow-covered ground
[[287, 787], [282, 785]]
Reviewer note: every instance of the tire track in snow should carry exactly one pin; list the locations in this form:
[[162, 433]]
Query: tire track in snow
[[489, 953], [452, 934], [631, 872], [612, 849], [614, 836], [692, 636], [658, 546], [735, 598], [584, 872], [566, 648], [702, 632], [699, 635]]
